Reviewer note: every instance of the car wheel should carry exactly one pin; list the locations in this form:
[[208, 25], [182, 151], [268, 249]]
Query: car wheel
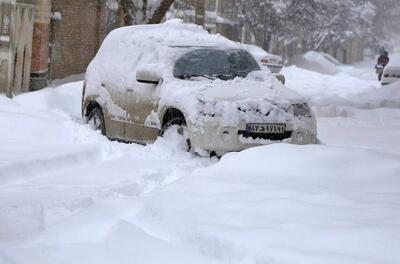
[[96, 120], [178, 126]]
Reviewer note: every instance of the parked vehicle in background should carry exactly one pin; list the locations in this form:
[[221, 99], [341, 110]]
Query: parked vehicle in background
[[150, 78], [391, 74], [266, 60]]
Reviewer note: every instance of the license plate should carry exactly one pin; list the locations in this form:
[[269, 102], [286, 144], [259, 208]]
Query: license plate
[[266, 128]]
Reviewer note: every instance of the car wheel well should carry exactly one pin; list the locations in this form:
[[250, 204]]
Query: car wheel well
[[91, 106], [173, 116]]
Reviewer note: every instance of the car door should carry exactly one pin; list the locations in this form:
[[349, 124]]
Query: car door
[[142, 123], [116, 114]]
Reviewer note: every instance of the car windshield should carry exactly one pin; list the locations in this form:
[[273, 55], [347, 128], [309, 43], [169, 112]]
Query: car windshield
[[214, 63]]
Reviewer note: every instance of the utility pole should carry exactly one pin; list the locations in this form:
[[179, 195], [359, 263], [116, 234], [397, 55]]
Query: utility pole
[[200, 12]]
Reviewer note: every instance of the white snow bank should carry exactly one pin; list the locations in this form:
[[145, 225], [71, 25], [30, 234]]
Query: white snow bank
[[353, 86], [106, 202], [317, 62], [124, 243], [285, 204], [66, 98], [38, 133], [377, 129], [334, 95], [323, 89], [385, 96]]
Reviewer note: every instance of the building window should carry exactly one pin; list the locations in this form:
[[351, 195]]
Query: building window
[[5, 26]]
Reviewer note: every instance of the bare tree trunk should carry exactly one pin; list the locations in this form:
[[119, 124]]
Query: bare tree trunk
[[200, 12], [144, 9], [160, 12], [129, 10]]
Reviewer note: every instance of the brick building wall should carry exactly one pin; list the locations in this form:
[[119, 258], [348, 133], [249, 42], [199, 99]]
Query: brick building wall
[[40, 44], [77, 31], [16, 27]]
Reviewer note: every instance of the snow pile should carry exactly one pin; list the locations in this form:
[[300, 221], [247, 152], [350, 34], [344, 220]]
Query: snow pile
[[376, 129], [322, 89], [302, 204], [354, 86], [40, 137], [386, 96], [317, 62], [68, 195], [66, 98]]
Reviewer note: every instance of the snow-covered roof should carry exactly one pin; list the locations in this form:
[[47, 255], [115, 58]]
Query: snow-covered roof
[[171, 33]]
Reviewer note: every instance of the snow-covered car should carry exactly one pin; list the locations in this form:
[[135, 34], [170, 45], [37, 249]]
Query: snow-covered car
[[391, 73], [267, 60], [146, 79]]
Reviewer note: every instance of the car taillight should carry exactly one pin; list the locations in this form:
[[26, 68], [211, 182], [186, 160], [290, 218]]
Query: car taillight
[[264, 61]]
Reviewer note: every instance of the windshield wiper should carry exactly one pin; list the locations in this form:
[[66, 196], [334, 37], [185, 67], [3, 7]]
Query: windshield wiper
[[208, 76], [222, 76], [213, 77], [225, 76]]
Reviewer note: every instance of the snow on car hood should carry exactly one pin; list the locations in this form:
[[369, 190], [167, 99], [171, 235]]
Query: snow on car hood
[[249, 99], [247, 89]]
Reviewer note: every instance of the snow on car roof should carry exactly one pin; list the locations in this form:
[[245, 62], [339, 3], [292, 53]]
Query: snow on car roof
[[152, 44], [171, 33]]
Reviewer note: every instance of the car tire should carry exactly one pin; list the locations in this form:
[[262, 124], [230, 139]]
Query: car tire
[[95, 120], [181, 128]]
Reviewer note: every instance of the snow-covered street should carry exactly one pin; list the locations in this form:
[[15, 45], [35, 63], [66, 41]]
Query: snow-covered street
[[69, 195]]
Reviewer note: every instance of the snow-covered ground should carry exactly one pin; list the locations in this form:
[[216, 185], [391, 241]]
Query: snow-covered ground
[[68, 195]]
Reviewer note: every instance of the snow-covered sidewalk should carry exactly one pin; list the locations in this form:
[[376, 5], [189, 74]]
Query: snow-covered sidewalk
[[68, 195]]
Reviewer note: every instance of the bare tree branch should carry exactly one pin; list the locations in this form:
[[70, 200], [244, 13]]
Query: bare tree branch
[[160, 12]]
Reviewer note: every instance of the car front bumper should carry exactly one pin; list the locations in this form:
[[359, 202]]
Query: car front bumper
[[221, 140]]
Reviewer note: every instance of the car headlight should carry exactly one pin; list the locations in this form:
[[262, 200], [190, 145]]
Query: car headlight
[[301, 110]]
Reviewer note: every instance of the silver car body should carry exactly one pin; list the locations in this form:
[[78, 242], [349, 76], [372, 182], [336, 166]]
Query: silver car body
[[391, 73], [218, 113], [265, 59]]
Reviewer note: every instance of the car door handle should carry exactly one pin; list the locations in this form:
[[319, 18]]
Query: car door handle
[[129, 89]]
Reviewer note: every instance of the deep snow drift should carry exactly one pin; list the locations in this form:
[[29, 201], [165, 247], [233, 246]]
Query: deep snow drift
[[68, 195], [354, 86]]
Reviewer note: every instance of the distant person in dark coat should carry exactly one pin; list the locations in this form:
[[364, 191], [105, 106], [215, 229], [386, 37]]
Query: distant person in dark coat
[[383, 60]]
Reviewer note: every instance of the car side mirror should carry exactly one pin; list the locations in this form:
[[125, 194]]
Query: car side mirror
[[146, 76]]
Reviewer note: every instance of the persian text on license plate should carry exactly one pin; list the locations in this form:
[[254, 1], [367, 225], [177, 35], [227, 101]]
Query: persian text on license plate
[[266, 128]]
